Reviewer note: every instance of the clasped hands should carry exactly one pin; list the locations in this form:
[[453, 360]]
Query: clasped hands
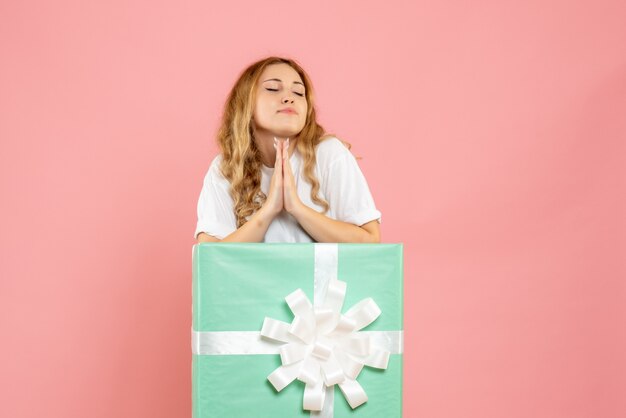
[[282, 193]]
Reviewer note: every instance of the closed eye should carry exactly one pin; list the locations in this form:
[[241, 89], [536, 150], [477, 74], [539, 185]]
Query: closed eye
[[299, 94]]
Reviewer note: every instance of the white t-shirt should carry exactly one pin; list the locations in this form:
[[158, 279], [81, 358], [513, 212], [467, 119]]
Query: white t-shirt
[[342, 185]]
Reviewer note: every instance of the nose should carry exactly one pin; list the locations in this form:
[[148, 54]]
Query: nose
[[287, 100]]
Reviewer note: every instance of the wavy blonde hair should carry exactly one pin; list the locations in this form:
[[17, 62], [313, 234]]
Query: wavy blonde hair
[[241, 159]]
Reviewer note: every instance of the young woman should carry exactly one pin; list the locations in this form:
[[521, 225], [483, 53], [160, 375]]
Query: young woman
[[279, 177]]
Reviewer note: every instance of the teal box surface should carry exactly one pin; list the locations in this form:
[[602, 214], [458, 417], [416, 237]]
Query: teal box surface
[[236, 285]]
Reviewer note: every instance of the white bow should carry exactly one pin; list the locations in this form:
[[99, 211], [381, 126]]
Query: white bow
[[323, 347]]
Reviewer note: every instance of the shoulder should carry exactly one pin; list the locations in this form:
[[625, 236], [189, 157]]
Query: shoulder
[[214, 173], [216, 163], [331, 149]]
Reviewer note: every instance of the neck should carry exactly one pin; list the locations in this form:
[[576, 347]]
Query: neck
[[265, 143]]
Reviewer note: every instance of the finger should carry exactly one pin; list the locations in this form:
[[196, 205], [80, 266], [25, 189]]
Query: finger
[[278, 148], [278, 166], [287, 168], [285, 161]]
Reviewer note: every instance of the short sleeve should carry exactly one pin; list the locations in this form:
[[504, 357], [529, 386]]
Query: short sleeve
[[347, 192], [215, 206]]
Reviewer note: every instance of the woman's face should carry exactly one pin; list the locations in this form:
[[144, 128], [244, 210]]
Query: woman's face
[[280, 109]]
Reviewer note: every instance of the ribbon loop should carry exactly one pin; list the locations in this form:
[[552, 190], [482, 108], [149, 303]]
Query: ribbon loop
[[302, 329], [378, 359], [313, 396], [345, 325], [350, 366], [310, 371], [324, 320], [284, 375], [333, 373], [275, 329], [353, 392], [335, 295], [291, 353], [364, 313], [299, 304], [358, 345]]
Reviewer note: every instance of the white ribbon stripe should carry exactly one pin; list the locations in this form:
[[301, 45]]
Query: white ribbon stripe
[[250, 342]]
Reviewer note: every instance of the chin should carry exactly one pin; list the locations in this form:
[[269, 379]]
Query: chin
[[286, 132]]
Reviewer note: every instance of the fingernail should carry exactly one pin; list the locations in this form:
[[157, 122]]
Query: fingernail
[[275, 141], [274, 146]]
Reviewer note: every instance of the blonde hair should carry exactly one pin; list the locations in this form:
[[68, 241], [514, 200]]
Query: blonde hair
[[241, 159]]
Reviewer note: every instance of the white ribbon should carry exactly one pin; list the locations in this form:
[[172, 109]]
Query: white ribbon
[[321, 346]]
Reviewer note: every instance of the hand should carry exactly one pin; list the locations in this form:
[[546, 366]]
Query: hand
[[274, 201], [291, 201]]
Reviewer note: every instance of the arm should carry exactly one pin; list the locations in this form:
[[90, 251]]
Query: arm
[[252, 231], [325, 229], [255, 228], [319, 226]]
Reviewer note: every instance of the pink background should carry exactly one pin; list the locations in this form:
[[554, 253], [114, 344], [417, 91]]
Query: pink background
[[493, 138]]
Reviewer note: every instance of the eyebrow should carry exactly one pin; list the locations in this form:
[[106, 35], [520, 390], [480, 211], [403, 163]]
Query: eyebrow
[[278, 79]]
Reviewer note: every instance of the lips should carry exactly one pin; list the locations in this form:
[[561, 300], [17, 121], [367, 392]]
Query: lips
[[288, 110]]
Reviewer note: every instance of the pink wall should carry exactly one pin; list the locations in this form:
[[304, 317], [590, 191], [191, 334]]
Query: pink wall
[[494, 142]]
